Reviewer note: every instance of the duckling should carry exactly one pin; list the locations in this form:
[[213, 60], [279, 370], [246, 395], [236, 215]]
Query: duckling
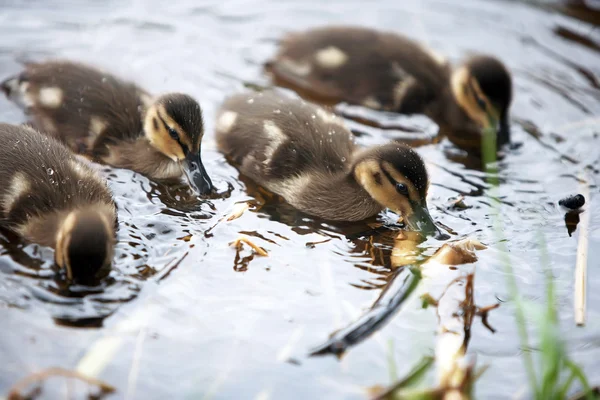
[[307, 156], [386, 71], [49, 197], [114, 121]]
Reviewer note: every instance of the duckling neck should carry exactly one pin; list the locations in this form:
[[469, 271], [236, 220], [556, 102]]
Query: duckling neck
[[338, 198], [139, 155], [448, 113]]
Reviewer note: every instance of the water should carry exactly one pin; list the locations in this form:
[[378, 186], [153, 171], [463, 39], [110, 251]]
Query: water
[[184, 316]]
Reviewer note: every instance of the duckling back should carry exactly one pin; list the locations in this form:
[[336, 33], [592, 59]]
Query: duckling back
[[296, 150], [273, 137], [78, 104], [359, 65], [46, 193]]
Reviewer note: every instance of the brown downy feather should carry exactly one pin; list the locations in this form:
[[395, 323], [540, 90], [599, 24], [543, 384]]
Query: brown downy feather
[[376, 69], [387, 71], [83, 93], [306, 154], [141, 157], [94, 113]]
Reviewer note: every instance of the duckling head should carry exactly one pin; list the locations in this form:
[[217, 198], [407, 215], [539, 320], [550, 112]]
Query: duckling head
[[84, 246], [173, 124], [396, 177], [482, 87]]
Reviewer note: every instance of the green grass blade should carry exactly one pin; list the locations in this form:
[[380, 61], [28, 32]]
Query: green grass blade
[[489, 160], [576, 369], [564, 389], [412, 379], [416, 374], [553, 353]]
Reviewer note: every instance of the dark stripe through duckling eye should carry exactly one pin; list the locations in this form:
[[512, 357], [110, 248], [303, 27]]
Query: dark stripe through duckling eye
[[400, 187], [480, 102], [173, 133], [387, 175], [155, 122]]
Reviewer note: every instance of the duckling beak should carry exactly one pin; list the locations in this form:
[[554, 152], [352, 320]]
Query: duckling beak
[[503, 135], [196, 174], [420, 220]]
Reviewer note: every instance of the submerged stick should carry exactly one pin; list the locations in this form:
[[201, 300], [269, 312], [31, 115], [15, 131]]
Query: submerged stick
[[455, 373], [581, 263], [401, 286], [402, 283]]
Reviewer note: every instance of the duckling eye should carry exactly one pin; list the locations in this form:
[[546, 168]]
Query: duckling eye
[[402, 189], [174, 134], [481, 103]]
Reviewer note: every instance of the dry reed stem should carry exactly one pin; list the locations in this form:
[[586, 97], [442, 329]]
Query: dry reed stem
[[581, 262]]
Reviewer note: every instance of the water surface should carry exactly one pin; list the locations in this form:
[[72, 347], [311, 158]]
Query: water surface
[[184, 316]]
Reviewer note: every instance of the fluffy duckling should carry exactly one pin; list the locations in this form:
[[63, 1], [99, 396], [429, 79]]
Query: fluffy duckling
[[390, 72], [114, 121], [49, 197], [306, 155]]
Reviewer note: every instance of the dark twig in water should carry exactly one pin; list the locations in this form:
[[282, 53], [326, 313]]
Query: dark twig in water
[[16, 390], [166, 271], [378, 315], [483, 312], [312, 245], [468, 307]]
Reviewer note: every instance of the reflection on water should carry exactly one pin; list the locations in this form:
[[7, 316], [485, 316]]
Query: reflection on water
[[182, 306]]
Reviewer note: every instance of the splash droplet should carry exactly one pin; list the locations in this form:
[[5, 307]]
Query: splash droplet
[[50, 171]]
